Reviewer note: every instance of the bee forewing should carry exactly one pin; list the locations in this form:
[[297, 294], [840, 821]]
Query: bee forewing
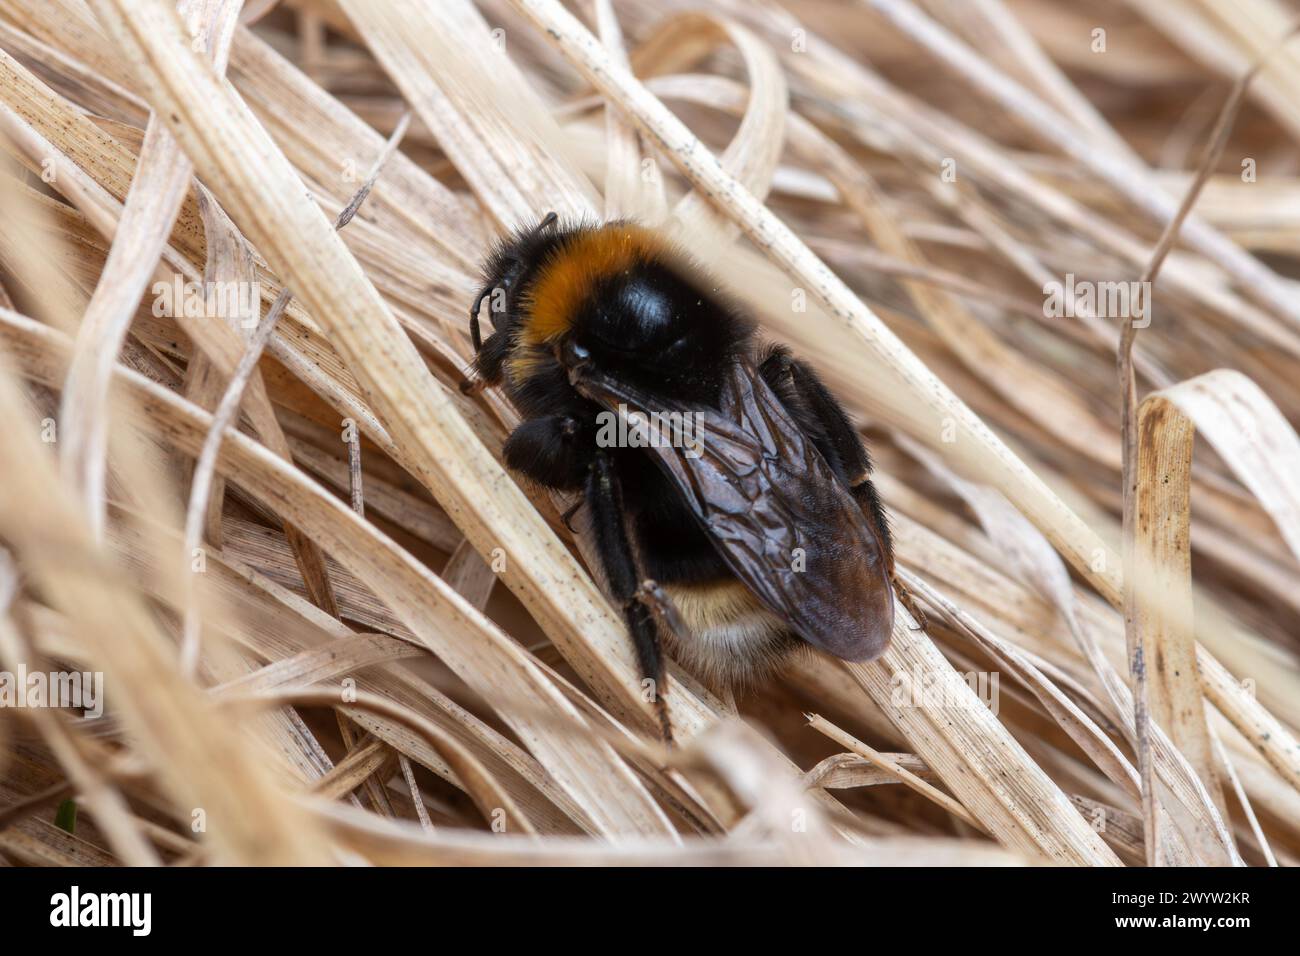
[[780, 518]]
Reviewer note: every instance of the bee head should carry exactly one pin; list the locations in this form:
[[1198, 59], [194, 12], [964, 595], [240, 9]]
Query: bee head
[[509, 261]]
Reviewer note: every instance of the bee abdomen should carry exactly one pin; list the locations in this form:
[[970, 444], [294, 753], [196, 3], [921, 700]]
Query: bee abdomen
[[733, 639]]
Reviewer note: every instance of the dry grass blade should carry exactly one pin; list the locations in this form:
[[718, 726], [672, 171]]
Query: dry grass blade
[[1132, 182], [1264, 452], [493, 802], [1076, 723], [995, 780], [161, 181], [280, 542], [1157, 547], [105, 801], [822, 725], [231, 398], [161, 711], [752, 154], [254, 179], [436, 59]]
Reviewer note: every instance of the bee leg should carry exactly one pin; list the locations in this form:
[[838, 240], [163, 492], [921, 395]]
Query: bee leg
[[814, 407], [551, 451], [569, 512], [605, 500], [909, 602], [665, 611], [489, 359], [816, 410]]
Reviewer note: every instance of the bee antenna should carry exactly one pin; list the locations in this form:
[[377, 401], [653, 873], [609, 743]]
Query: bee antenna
[[549, 220]]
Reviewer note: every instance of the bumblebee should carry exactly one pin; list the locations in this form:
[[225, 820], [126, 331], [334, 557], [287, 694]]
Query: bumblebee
[[758, 534]]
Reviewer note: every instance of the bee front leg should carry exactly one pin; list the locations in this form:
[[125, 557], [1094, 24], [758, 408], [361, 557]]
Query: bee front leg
[[489, 359]]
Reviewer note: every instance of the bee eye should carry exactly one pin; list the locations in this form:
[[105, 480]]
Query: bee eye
[[574, 354]]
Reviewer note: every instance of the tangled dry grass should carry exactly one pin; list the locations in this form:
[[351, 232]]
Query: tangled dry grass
[[332, 629]]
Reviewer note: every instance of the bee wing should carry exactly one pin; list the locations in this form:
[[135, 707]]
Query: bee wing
[[780, 518]]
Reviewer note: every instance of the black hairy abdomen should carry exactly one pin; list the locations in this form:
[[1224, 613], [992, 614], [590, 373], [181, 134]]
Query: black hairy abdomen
[[674, 547]]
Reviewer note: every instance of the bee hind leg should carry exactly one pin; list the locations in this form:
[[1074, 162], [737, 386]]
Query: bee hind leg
[[819, 413]]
